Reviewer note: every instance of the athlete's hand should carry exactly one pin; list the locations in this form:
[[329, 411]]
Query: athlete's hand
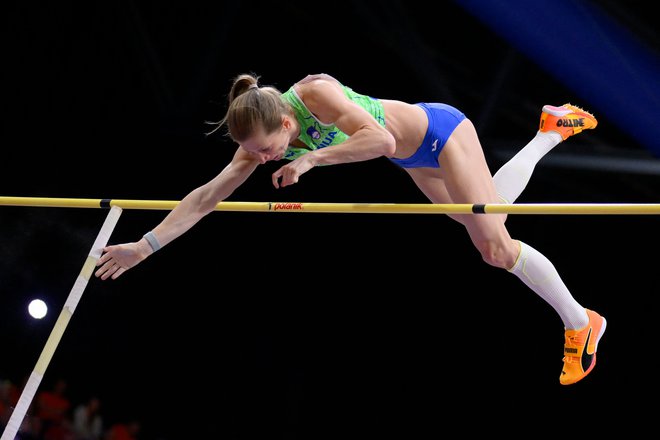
[[291, 172], [118, 259]]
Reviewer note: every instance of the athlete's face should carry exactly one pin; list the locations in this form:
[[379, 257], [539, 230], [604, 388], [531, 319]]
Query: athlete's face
[[266, 147]]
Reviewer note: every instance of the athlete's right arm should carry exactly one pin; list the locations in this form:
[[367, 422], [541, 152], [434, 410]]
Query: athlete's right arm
[[117, 259]]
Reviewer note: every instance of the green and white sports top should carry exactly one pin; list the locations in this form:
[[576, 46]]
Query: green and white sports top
[[315, 134]]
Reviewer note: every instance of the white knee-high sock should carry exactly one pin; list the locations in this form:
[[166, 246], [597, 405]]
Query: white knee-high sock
[[540, 275], [512, 178]]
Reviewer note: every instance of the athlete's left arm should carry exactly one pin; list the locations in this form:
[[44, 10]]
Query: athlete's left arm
[[368, 139]]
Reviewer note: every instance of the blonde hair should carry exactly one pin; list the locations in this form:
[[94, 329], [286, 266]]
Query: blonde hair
[[252, 107]]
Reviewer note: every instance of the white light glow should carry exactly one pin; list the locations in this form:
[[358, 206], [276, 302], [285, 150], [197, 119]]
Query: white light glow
[[37, 308]]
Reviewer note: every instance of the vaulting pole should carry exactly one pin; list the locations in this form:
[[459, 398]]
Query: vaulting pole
[[79, 285]]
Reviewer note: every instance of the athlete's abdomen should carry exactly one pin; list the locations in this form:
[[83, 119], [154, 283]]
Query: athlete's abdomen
[[407, 123]]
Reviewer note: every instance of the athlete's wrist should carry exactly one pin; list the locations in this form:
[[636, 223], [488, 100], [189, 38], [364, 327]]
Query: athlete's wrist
[[152, 240]]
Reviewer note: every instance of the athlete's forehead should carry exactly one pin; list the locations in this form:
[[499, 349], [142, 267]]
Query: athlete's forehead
[[259, 140]]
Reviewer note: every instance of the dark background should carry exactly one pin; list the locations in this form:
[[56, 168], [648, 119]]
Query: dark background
[[262, 325]]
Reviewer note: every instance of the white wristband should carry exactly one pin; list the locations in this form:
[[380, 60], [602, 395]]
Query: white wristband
[[152, 240]]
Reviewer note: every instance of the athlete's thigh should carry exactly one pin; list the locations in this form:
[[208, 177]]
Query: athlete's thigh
[[467, 179], [464, 169], [431, 183]]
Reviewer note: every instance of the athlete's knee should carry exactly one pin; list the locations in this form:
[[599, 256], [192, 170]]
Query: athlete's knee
[[502, 254]]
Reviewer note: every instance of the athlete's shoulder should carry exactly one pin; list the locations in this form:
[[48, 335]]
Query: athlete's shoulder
[[319, 89], [319, 78]]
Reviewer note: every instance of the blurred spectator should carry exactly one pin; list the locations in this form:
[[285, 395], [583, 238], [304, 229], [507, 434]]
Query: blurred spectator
[[124, 431], [52, 407], [87, 420]]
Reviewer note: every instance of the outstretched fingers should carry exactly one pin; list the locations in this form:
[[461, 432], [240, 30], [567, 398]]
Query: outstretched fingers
[[108, 266]]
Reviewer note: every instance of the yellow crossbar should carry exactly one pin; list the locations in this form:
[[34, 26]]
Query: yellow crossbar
[[356, 208]]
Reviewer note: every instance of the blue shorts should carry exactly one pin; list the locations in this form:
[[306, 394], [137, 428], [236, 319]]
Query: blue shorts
[[443, 120]]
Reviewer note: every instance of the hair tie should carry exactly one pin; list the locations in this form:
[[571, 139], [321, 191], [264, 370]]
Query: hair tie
[[253, 86]]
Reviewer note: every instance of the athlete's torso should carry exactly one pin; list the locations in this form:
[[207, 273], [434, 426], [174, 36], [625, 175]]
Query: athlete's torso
[[406, 122]]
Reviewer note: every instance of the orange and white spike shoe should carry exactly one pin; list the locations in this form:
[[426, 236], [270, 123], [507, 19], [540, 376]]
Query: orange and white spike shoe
[[566, 120], [580, 349]]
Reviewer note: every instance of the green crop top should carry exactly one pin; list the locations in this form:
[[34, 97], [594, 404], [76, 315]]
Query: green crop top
[[315, 134]]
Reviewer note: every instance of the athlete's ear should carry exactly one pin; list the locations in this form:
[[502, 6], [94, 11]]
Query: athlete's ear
[[286, 122]]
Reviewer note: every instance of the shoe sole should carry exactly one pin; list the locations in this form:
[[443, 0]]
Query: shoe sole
[[556, 111], [600, 334]]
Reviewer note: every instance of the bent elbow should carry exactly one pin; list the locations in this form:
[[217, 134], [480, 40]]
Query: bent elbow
[[388, 145]]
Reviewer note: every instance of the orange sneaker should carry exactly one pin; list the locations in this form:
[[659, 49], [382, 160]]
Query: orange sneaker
[[580, 349], [566, 120]]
